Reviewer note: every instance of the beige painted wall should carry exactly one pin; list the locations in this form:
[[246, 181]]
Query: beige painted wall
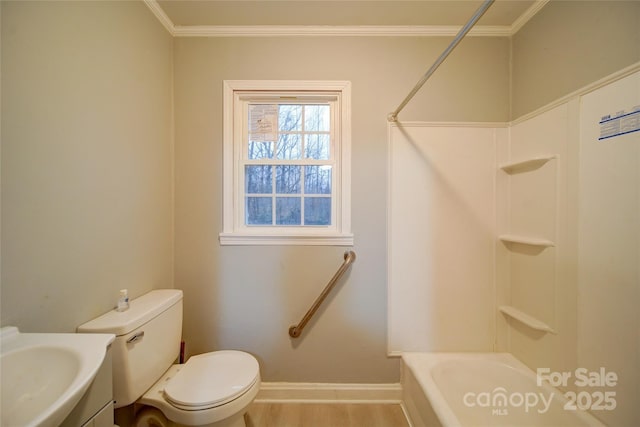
[[86, 159], [568, 45], [247, 297]]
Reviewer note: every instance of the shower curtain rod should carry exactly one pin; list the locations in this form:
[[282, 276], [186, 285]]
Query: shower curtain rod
[[392, 117]]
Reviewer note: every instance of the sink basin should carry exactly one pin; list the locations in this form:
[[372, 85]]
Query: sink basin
[[45, 375]]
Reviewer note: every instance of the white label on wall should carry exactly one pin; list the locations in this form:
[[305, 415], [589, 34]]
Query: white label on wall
[[620, 123]]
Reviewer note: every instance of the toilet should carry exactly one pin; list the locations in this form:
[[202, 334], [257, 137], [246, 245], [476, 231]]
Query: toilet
[[210, 390]]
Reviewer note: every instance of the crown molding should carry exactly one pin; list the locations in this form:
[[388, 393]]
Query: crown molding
[[527, 15], [335, 31], [339, 30], [162, 17]]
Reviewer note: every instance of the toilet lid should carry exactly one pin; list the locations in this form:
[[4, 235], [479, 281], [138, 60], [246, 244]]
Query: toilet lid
[[212, 379]]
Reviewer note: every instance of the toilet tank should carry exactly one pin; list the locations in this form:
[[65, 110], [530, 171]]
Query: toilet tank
[[147, 341]]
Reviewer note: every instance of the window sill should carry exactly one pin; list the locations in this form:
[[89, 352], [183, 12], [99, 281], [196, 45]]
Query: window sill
[[228, 239]]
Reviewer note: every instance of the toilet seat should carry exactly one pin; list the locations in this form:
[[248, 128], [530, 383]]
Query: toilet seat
[[211, 379]]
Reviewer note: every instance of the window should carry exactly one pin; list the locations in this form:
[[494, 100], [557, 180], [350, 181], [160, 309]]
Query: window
[[286, 163]]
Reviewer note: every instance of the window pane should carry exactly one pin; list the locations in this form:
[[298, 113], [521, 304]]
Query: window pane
[[316, 118], [258, 179], [258, 211], [260, 150], [317, 179], [317, 147], [290, 118], [288, 210], [317, 211], [289, 146], [288, 179]]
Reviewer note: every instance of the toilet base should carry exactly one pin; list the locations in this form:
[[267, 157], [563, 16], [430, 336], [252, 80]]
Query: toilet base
[[153, 417], [229, 414]]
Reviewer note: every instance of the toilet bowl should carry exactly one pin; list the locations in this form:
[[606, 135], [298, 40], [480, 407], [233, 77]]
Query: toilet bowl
[[210, 390]]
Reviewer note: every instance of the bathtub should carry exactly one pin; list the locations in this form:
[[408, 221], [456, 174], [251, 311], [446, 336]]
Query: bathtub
[[481, 389]]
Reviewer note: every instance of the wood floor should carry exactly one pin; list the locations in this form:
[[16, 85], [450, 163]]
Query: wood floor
[[325, 415]]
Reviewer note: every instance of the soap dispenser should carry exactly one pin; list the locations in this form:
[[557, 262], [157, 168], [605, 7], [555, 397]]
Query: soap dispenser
[[123, 301]]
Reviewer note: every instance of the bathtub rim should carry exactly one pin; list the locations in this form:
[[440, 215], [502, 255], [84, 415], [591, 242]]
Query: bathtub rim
[[420, 364]]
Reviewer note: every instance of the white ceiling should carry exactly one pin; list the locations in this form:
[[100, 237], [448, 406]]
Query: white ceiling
[[340, 12]]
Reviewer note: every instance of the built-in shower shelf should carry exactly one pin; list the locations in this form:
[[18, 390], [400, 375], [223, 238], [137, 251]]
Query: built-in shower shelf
[[524, 240], [526, 165], [523, 317]]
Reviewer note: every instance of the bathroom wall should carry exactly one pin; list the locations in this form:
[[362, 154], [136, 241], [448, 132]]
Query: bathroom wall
[[569, 44], [247, 297], [86, 159]]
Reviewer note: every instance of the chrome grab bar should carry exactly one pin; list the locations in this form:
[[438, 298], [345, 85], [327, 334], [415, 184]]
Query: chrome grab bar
[[296, 330]]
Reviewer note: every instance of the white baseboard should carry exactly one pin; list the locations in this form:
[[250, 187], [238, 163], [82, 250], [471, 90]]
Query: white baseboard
[[329, 393]]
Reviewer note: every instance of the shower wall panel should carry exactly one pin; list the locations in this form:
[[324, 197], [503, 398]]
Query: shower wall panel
[[441, 237]]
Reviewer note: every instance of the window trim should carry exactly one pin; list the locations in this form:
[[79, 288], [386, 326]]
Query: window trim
[[234, 232]]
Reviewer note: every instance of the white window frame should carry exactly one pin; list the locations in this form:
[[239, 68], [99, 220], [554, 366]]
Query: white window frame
[[234, 231]]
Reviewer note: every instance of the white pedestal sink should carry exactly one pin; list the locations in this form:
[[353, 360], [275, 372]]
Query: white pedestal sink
[[45, 375]]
